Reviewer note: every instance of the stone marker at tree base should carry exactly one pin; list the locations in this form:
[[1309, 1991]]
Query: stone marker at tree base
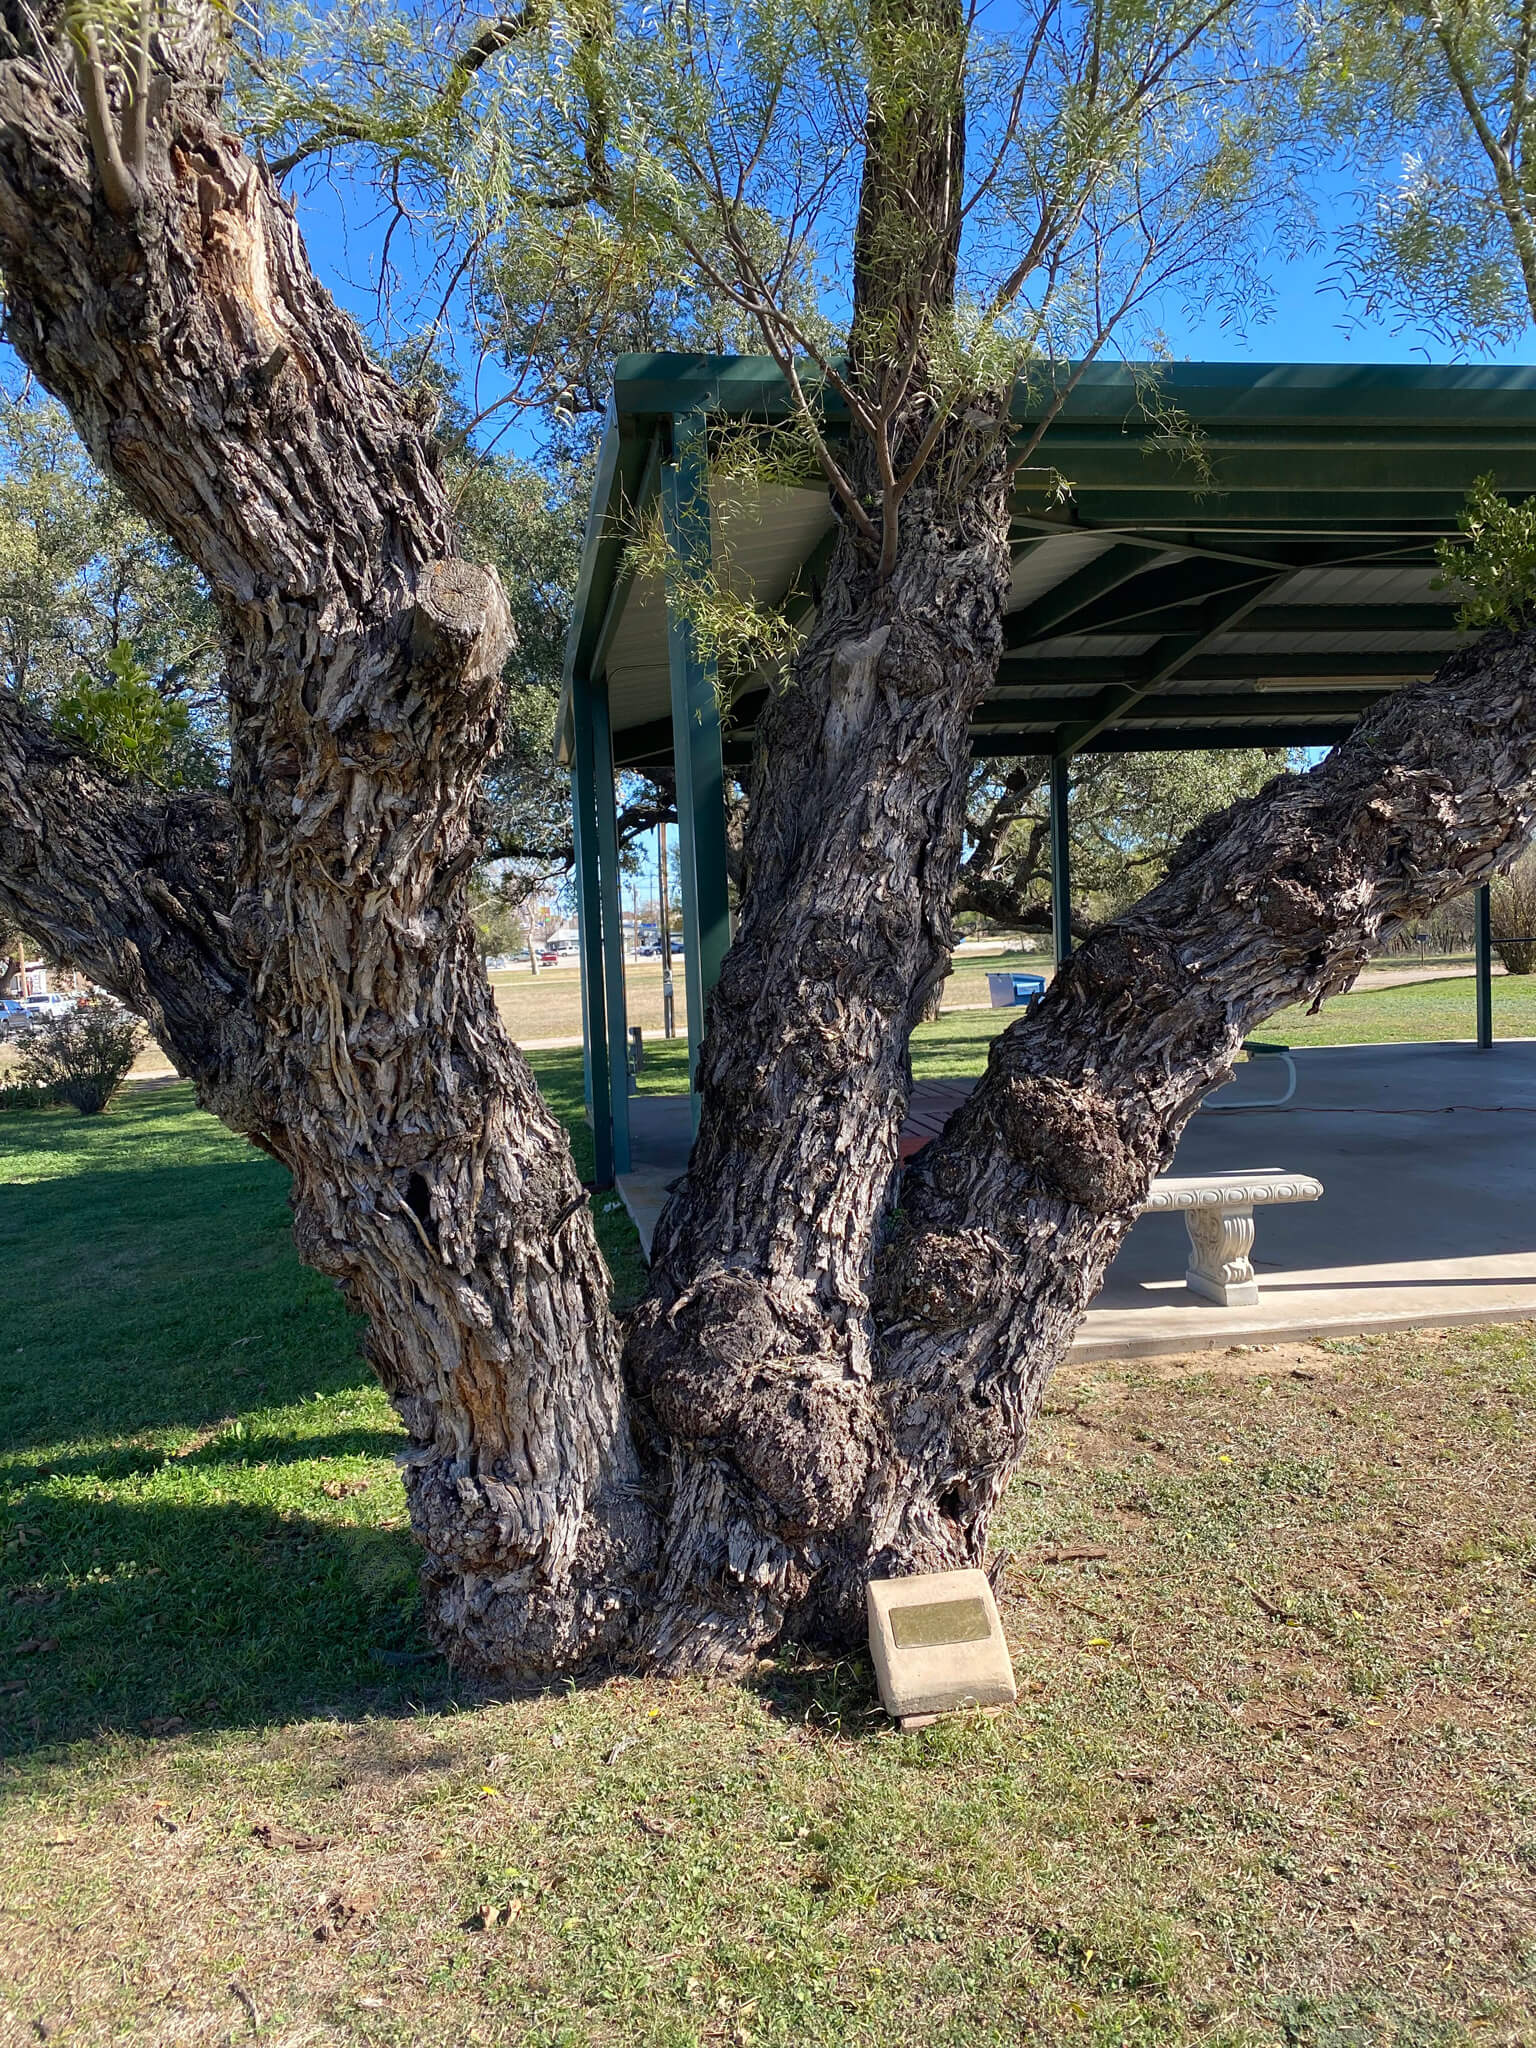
[[938, 1645]]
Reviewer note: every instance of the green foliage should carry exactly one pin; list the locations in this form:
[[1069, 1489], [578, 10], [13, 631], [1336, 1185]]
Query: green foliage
[[527, 526], [99, 615], [607, 177], [124, 720], [1128, 813], [1431, 107], [1495, 562], [82, 1058], [1512, 901], [24, 1098]]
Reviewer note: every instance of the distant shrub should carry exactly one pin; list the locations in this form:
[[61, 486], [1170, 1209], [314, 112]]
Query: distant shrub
[[1512, 902], [83, 1058], [18, 1099]]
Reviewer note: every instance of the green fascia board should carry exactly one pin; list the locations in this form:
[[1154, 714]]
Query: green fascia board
[[1268, 515], [1431, 467], [1414, 396], [1213, 395]]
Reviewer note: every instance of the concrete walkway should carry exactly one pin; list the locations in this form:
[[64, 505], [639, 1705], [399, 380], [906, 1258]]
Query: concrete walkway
[[1427, 1154]]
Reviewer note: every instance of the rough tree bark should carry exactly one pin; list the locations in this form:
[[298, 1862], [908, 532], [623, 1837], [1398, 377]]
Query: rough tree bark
[[169, 304], [755, 1345], [135, 889], [1010, 1218], [820, 1384]]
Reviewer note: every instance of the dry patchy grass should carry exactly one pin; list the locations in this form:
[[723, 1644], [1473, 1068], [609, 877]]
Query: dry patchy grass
[[1272, 1780]]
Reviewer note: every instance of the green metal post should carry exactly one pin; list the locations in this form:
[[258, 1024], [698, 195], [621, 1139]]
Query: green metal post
[[695, 728], [613, 925], [1061, 859], [1484, 930], [589, 921]]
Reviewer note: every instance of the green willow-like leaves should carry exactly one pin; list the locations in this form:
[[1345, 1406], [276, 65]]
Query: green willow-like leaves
[[1434, 106]]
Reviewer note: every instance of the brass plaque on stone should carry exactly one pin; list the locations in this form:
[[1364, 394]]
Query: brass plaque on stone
[[936, 1622], [938, 1645]]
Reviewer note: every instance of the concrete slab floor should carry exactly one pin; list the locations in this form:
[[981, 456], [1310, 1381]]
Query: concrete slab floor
[[1427, 1154]]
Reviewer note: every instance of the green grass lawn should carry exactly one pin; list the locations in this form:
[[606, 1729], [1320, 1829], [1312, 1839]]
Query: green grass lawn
[[956, 1045], [1271, 1783]]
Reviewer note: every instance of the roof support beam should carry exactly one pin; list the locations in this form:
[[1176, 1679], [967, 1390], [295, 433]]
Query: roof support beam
[[1430, 619], [1049, 612], [1245, 666], [1320, 546], [695, 731], [1157, 739], [1046, 713], [1220, 614]]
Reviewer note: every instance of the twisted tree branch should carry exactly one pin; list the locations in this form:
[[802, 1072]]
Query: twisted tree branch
[[135, 888]]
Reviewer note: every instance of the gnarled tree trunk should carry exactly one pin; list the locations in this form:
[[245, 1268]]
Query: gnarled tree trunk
[[821, 1384], [325, 991]]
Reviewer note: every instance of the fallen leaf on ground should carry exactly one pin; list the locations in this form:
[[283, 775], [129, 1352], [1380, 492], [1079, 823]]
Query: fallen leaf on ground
[[653, 1824], [485, 1918], [271, 1836], [36, 1646], [343, 1912], [1274, 1612]]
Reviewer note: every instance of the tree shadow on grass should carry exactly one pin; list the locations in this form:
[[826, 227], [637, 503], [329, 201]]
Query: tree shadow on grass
[[830, 1692], [148, 1616]]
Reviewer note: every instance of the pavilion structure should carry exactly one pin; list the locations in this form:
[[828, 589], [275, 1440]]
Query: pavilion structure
[[1204, 555]]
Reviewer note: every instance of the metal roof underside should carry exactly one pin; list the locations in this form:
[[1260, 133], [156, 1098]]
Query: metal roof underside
[[1260, 592]]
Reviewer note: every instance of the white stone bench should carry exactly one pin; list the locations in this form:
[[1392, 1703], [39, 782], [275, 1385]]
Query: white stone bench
[[1218, 1214]]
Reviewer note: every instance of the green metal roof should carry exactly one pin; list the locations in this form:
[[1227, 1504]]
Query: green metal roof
[[1262, 590]]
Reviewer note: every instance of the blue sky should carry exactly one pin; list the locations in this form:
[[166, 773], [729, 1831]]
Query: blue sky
[[1309, 324]]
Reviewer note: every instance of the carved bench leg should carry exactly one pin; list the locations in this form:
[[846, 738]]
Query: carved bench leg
[[1219, 1243]]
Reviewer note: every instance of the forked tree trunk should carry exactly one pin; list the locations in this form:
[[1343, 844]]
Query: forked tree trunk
[[821, 1384], [756, 1344]]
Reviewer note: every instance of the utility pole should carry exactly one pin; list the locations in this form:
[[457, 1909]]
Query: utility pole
[[668, 1019]]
